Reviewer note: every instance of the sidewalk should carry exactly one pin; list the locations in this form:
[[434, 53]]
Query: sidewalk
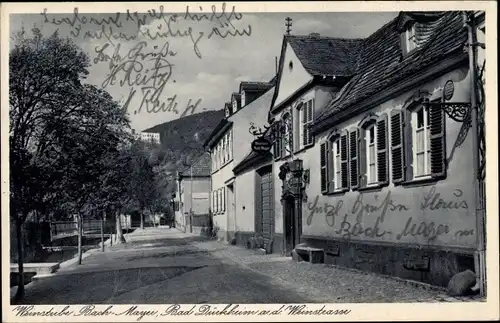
[[334, 283]]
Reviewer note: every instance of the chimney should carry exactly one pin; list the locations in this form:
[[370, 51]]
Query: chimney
[[314, 35]]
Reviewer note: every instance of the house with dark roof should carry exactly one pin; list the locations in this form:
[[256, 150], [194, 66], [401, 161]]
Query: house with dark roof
[[229, 144], [192, 198], [311, 70], [370, 170]]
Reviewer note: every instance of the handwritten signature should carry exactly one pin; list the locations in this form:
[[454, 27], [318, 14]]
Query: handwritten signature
[[111, 28]]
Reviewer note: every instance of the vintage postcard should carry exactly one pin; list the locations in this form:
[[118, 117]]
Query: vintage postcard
[[268, 161]]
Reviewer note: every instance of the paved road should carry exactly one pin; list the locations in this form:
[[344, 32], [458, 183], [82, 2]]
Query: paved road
[[159, 266], [155, 268]]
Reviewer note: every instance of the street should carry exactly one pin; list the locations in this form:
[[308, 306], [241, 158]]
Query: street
[[165, 266]]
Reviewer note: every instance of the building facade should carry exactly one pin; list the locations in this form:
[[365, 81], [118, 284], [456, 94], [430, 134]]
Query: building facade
[[150, 137], [228, 145], [382, 186], [371, 139], [373, 154], [192, 199]]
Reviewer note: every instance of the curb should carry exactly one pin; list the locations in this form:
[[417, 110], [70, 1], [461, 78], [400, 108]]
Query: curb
[[73, 260]]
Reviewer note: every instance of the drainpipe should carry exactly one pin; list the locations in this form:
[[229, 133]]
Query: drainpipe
[[479, 262], [191, 202]]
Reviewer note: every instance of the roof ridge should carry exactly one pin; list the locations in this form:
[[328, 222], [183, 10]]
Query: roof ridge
[[322, 37]]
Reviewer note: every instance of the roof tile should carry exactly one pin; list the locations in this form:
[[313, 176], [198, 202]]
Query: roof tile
[[381, 65], [326, 55]]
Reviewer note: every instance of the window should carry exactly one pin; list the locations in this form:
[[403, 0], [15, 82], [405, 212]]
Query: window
[[220, 201], [214, 195], [418, 143], [228, 147], [223, 191], [287, 138], [212, 203], [306, 117], [242, 98], [371, 158], [421, 137], [337, 175], [334, 163], [277, 137], [235, 106], [410, 37], [230, 144]]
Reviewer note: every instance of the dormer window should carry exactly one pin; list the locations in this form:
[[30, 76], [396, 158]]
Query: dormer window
[[242, 98], [410, 38], [228, 112], [235, 105]]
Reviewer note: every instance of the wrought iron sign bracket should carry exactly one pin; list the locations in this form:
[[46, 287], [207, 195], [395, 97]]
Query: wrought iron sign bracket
[[457, 111]]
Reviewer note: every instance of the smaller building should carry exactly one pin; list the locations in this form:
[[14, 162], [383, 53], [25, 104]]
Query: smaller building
[[150, 137], [192, 200]]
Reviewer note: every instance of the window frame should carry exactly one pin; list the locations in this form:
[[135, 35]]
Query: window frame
[[437, 138], [303, 122], [427, 174], [288, 135], [371, 142], [380, 124], [329, 170]]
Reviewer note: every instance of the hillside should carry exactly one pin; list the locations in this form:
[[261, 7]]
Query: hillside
[[182, 139]]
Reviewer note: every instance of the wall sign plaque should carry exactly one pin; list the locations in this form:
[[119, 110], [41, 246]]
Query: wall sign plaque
[[448, 90]]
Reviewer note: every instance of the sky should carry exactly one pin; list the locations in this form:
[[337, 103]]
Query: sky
[[164, 66]]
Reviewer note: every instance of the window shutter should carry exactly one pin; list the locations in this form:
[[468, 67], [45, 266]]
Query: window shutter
[[397, 146], [437, 140], [221, 206], [324, 167], [307, 117], [274, 136], [290, 133], [353, 158], [344, 161], [382, 154], [362, 158], [224, 199], [304, 125]]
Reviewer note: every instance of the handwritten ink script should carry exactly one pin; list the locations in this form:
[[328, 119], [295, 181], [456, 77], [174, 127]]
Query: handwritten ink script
[[139, 53], [353, 226], [140, 312]]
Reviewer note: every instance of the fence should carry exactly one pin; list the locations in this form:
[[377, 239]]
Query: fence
[[69, 228]]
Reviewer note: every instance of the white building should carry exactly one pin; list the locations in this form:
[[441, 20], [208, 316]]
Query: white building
[[150, 136]]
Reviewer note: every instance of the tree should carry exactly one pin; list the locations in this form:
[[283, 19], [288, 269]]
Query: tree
[[85, 146], [60, 131], [43, 74], [143, 179]]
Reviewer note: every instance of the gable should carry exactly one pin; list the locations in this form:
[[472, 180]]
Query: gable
[[291, 79]]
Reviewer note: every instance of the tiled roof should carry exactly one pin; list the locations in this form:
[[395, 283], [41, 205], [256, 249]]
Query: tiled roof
[[326, 55], [255, 86], [381, 65], [200, 168]]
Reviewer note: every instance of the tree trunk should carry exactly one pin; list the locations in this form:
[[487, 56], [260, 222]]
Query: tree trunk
[[20, 260], [80, 234], [142, 219], [102, 232], [119, 232]]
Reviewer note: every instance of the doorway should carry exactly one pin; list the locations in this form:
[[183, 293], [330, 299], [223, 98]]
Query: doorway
[[231, 212], [290, 223]]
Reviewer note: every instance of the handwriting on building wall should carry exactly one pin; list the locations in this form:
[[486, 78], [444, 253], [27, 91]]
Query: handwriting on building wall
[[359, 218]]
